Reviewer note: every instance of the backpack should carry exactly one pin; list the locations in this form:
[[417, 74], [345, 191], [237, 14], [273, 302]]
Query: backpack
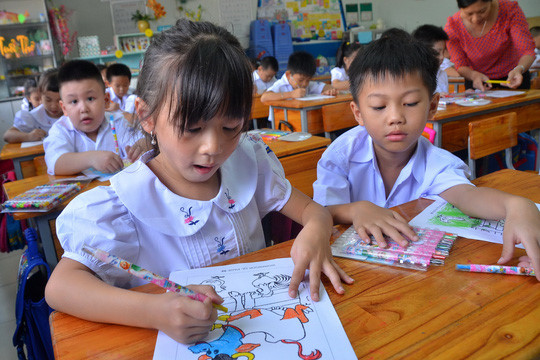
[[11, 230], [31, 310]]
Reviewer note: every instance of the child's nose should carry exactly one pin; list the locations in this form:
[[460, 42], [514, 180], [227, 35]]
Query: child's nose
[[211, 143], [395, 116]]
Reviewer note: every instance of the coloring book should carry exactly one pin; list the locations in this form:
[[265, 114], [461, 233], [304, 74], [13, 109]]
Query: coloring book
[[263, 322]]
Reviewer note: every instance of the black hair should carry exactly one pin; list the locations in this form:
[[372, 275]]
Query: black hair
[[430, 34], [201, 70], [101, 67], [30, 85], [48, 81], [346, 49], [396, 33], [118, 69], [466, 3], [301, 62], [269, 62], [535, 31], [391, 57], [254, 63], [77, 70]]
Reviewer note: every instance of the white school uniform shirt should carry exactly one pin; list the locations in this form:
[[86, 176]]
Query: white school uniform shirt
[[536, 63], [37, 118], [64, 138], [446, 63], [283, 85], [442, 81], [139, 219], [25, 104], [261, 85], [127, 103], [348, 172], [339, 73]]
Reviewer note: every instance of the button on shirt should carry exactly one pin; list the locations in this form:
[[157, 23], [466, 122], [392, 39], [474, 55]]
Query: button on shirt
[[348, 172], [261, 85], [139, 219], [283, 85]]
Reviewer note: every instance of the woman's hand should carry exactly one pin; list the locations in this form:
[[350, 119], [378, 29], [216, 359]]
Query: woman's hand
[[479, 81], [515, 78]]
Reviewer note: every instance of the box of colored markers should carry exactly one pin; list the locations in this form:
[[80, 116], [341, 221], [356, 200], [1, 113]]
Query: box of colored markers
[[41, 198], [432, 248]]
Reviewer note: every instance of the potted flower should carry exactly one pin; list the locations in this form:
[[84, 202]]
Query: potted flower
[[142, 20]]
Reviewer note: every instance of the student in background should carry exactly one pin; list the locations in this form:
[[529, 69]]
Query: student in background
[[296, 82], [83, 138], [435, 37], [34, 125], [265, 75], [535, 32], [32, 97], [386, 161], [345, 55], [118, 80], [254, 62], [197, 199], [103, 70]]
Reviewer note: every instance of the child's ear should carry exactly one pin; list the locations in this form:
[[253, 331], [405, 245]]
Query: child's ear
[[356, 112], [62, 106], [141, 109], [433, 106]]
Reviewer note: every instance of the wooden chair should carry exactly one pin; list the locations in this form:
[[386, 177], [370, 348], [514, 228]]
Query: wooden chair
[[258, 110], [492, 135], [40, 165], [337, 117]]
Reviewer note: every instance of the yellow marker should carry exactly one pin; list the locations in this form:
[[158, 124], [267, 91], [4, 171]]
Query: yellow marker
[[497, 81]]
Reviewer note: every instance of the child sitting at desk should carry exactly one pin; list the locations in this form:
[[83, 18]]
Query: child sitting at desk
[[345, 55], [435, 37], [265, 75], [535, 32], [32, 96], [388, 162], [118, 80], [196, 200], [296, 82], [84, 138], [34, 125]]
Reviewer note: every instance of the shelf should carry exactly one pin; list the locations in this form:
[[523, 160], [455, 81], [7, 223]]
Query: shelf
[[22, 76], [110, 55], [23, 26], [33, 57]]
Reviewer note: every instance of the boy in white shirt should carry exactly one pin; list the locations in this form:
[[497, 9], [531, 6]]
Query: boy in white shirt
[[265, 75], [34, 125], [84, 138], [118, 80], [387, 161], [296, 82]]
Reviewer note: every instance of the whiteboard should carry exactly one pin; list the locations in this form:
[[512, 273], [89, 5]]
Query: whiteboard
[[122, 11], [236, 16]]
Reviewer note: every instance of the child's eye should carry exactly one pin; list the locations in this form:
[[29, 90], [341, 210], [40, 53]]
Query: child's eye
[[231, 129], [91, 98], [193, 130], [412, 104], [73, 102], [378, 108]]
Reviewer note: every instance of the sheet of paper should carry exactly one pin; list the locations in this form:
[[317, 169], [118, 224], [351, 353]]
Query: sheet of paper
[[443, 216], [27, 144], [101, 176], [315, 97], [263, 321], [503, 93]]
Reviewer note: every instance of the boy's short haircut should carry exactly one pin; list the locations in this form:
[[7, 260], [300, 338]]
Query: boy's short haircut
[[302, 62], [30, 85], [430, 34], [77, 70], [269, 62], [118, 69], [535, 31], [101, 67], [396, 33], [391, 57], [48, 81]]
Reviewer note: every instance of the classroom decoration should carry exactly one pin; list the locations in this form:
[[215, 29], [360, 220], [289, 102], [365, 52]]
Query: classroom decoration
[[88, 46], [41, 198], [58, 18], [7, 17], [431, 249], [141, 20], [157, 8], [118, 54], [191, 14]]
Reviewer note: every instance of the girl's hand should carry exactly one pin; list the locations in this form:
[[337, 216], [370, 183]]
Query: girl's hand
[[183, 319], [107, 161], [311, 250], [331, 91], [36, 135]]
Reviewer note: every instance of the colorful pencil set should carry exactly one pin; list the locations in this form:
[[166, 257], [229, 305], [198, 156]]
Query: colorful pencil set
[[432, 248], [41, 198]]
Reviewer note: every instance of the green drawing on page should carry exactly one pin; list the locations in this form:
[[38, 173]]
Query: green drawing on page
[[452, 216]]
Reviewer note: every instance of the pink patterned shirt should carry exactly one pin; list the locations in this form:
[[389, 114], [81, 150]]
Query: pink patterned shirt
[[498, 51]]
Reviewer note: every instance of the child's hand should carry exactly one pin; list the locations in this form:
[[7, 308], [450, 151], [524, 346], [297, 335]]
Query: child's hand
[[37, 134], [298, 93], [183, 319], [331, 91], [522, 225], [113, 106], [107, 162], [135, 151]]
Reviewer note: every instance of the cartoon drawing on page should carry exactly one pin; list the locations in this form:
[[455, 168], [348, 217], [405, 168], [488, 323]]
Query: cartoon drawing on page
[[264, 321]]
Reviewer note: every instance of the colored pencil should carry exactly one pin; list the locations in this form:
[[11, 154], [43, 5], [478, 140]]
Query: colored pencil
[[116, 147], [496, 269], [147, 275], [497, 81]]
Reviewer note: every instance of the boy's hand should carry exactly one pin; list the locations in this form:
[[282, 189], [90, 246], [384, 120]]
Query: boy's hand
[[112, 106], [298, 93], [37, 134], [369, 218], [135, 151], [522, 225], [107, 162], [183, 319], [331, 91]]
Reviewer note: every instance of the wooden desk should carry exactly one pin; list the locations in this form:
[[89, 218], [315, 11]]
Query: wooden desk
[[299, 160], [304, 116], [258, 109], [389, 312], [456, 84], [45, 222], [21, 157]]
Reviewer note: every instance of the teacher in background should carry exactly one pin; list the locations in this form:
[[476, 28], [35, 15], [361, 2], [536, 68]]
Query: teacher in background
[[490, 40]]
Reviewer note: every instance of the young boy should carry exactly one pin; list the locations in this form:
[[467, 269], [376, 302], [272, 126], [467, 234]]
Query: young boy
[[83, 138], [34, 125], [388, 162], [535, 32], [296, 82], [265, 75], [118, 80], [103, 70], [32, 96], [435, 37]]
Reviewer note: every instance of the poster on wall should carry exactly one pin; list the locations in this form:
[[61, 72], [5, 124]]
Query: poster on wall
[[122, 11], [309, 19]]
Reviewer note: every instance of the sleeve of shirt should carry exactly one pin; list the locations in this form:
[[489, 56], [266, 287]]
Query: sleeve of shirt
[[336, 74], [273, 189], [457, 55], [451, 171], [332, 186], [316, 87], [442, 82], [519, 32], [446, 64], [24, 121], [56, 144], [97, 218], [275, 87], [25, 105], [129, 105]]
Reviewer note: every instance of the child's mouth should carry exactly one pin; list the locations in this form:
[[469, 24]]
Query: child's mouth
[[203, 169]]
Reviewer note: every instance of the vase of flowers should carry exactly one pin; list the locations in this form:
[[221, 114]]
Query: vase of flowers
[[142, 20]]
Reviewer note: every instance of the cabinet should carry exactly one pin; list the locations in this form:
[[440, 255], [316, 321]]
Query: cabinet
[[26, 50]]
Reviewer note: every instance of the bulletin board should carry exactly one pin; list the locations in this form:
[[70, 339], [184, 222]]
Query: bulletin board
[[122, 11], [307, 18]]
